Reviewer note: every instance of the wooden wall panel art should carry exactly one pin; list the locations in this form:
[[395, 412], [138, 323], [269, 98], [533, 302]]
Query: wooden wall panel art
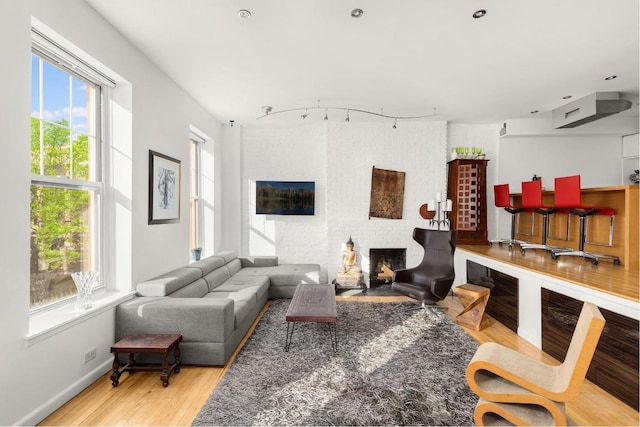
[[387, 194]]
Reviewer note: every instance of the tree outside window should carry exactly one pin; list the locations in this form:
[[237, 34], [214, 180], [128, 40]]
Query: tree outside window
[[65, 190]]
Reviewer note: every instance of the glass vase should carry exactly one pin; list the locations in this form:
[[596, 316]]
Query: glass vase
[[84, 281]]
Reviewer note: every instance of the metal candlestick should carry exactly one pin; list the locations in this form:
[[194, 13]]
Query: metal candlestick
[[436, 220]]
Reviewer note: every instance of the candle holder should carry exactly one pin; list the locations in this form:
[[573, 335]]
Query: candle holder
[[84, 281], [441, 214]]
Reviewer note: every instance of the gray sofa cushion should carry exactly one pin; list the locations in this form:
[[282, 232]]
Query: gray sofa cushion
[[257, 284], [234, 266], [217, 278], [255, 271], [285, 274], [197, 289], [259, 261], [207, 265], [293, 274], [243, 303], [228, 256], [169, 282]]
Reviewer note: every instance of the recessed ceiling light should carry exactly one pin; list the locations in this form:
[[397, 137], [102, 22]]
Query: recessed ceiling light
[[479, 13], [566, 97], [357, 13], [244, 14], [610, 77]]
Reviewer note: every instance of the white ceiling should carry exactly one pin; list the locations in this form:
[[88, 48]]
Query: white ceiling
[[407, 57]]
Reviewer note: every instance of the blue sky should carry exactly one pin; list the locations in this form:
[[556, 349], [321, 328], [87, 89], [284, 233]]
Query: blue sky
[[58, 103]]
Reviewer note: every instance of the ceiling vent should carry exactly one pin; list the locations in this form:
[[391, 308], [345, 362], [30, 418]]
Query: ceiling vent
[[588, 109]]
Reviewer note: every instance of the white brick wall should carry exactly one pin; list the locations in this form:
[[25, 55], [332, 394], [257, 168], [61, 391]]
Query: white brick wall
[[339, 157], [284, 154], [416, 148]]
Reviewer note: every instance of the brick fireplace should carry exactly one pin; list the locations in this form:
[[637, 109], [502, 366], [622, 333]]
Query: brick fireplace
[[383, 262]]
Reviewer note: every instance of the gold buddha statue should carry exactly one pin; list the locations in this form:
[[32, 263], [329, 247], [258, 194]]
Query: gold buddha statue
[[349, 275]]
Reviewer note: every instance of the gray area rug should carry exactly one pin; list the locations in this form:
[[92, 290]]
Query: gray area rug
[[393, 367]]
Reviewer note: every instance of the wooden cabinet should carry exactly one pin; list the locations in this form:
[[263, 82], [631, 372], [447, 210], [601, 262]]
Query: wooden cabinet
[[467, 190], [614, 366]]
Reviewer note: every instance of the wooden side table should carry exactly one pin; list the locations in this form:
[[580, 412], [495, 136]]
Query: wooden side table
[[147, 343], [474, 299]]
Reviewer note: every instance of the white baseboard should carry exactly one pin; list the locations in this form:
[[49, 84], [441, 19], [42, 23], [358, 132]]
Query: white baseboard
[[49, 407]]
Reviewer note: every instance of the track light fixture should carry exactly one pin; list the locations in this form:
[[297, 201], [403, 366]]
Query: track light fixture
[[268, 111]]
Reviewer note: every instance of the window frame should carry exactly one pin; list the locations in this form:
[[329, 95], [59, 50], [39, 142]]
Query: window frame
[[196, 226], [48, 50]]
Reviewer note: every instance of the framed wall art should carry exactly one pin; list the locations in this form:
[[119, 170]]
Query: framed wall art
[[164, 189], [387, 194]]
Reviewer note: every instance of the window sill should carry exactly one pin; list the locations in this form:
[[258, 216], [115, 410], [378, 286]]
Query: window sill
[[51, 322]]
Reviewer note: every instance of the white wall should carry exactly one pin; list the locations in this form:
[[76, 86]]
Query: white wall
[[284, 154], [231, 208], [339, 157], [15, 384], [593, 151], [597, 159], [416, 148], [36, 379]]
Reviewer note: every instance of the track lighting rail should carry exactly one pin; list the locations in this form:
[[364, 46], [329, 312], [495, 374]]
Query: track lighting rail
[[268, 111]]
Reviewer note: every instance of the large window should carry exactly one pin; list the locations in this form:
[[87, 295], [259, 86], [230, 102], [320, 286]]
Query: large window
[[66, 177]]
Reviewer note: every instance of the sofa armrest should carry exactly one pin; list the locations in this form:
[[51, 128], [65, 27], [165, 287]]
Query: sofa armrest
[[259, 261], [197, 319]]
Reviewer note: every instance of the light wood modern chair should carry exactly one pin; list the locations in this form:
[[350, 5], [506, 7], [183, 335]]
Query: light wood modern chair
[[522, 390]]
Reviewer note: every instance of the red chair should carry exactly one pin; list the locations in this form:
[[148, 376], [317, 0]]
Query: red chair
[[567, 200], [503, 200], [532, 199]]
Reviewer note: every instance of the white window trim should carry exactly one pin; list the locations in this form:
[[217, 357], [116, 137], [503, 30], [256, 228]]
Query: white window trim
[[58, 54], [198, 141], [60, 317]]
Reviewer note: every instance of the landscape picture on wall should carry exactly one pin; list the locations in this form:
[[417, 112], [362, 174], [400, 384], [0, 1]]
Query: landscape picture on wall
[[285, 197]]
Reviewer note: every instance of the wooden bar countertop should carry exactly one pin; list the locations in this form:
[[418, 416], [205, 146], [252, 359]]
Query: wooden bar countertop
[[623, 199], [604, 277]]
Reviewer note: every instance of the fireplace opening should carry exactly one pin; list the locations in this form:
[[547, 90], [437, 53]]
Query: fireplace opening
[[383, 262]]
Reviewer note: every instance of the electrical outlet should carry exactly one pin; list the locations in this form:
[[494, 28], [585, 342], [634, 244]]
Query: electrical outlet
[[90, 355]]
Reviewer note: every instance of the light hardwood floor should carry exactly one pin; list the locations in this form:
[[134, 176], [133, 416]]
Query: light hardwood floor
[[140, 399]]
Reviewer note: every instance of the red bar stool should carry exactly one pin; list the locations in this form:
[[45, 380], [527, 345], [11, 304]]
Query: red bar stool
[[532, 199], [503, 200], [567, 199]]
